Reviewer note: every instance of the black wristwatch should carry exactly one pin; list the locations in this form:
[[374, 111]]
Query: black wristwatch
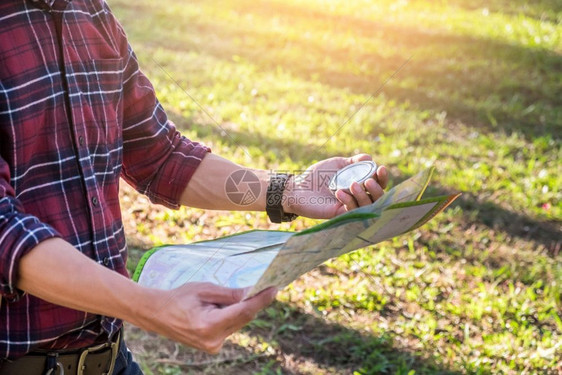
[[274, 199]]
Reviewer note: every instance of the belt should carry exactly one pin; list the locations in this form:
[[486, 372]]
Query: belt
[[93, 360]]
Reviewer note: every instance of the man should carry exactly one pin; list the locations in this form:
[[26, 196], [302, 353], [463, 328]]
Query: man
[[76, 114]]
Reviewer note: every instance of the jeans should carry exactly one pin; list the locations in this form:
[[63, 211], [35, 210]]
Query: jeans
[[125, 364]]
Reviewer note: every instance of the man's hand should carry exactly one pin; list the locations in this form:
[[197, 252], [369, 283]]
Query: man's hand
[[203, 315], [308, 195]]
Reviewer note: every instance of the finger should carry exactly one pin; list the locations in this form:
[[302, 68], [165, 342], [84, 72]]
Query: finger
[[374, 189], [360, 194], [382, 176], [359, 157], [341, 210], [347, 200], [238, 315], [219, 295]]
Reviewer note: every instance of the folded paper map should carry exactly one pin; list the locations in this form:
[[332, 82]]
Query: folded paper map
[[262, 258]]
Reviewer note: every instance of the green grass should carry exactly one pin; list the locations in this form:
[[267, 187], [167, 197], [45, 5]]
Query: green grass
[[477, 290]]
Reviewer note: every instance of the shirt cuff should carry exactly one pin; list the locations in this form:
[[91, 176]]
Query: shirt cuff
[[19, 234], [172, 180]]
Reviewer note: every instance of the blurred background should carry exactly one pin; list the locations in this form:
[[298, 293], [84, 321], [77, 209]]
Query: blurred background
[[473, 88]]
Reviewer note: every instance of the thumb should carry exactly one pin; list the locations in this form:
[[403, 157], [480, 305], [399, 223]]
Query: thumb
[[219, 295], [237, 315], [359, 157]]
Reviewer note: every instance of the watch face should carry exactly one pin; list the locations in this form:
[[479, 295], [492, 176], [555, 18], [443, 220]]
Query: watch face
[[359, 172]]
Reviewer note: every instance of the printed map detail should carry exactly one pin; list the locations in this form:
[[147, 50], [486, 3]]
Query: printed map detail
[[229, 261]]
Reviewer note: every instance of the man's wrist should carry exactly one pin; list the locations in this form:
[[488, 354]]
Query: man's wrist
[[288, 196], [144, 304]]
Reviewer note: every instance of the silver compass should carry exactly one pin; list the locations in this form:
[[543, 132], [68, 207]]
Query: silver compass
[[360, 172]]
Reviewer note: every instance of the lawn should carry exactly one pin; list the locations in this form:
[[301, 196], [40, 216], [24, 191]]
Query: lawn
[[473, 88]]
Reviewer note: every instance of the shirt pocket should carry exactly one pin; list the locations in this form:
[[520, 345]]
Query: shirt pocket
[[96, 99]]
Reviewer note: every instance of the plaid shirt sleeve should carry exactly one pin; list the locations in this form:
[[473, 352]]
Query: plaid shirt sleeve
[[148, 132], [19, 233]]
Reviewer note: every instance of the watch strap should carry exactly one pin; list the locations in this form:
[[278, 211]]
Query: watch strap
[[274, 199]]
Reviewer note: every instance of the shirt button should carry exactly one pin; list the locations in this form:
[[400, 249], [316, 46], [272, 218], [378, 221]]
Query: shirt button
[[81, 140], [95, 201], [106, 261]]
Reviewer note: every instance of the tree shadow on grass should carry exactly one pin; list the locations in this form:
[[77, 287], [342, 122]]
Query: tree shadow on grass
[[160, 355], [303, 336], [516, 225], [300, 342]]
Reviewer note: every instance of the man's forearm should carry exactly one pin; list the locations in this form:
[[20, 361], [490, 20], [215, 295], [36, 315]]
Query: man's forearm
[[208, 186], [58, 273]]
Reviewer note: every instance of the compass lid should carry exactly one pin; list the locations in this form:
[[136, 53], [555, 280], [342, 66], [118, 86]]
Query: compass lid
[[360, 172]]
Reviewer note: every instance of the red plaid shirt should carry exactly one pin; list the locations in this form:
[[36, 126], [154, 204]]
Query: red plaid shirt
[[76, 113]]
